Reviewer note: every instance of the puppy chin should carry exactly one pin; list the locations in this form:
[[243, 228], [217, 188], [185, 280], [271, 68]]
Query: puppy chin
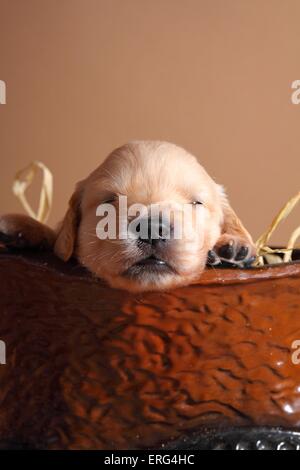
[[147, 274], [150, 282], [141, 277]]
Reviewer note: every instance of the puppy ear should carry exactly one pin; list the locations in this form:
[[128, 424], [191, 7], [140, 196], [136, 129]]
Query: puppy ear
[[231, 223], [67, 233]]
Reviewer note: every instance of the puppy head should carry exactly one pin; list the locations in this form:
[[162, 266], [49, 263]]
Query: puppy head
[[179, 209]]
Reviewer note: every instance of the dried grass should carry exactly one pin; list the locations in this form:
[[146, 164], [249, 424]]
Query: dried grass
[[267, 255]]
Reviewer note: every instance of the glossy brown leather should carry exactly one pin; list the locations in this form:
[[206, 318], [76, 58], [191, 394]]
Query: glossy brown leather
[[92, 367]]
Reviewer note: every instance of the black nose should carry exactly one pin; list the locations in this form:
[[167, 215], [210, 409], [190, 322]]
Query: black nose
[[157, 232]]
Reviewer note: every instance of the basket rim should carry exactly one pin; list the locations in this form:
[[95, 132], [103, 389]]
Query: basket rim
[[212, 276]]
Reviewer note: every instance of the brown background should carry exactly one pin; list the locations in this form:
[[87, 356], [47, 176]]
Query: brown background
[[84, 76]]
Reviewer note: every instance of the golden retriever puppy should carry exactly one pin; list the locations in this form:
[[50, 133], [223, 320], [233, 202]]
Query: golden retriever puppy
[[148, 218]]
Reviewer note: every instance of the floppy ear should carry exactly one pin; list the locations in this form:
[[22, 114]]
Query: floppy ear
[[231, 223], [67, 233]]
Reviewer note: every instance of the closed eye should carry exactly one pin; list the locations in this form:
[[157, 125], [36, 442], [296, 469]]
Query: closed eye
[[195, 203], [110, 199]]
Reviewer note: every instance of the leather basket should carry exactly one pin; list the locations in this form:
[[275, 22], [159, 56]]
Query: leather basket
[[211, 365]]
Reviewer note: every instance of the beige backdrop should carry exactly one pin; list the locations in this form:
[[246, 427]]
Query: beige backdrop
[[84, 76]]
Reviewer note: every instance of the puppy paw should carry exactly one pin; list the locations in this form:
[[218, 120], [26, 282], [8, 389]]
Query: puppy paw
[[20, 231], [13, 240], [232, 249]]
